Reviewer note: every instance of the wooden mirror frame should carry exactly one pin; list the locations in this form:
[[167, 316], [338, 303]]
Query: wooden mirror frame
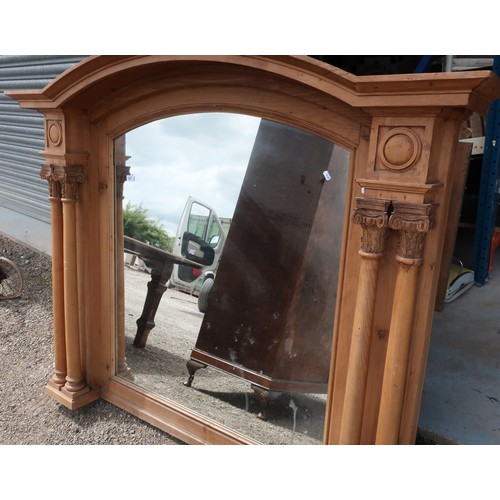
[[402, 132]]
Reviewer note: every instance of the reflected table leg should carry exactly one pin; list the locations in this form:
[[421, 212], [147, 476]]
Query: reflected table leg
[[156, 288], [193, 366], [265, 396], [162, 264]]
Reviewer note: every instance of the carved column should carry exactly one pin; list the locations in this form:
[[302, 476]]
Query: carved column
[[122, 369], [71, 176], [412, 221], [372, 215], [58, 378]]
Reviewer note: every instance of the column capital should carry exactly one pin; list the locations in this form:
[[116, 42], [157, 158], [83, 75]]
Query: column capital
[[122, 172], [63, 179], [73, 175], [413, 220], [372, 215], [47, 173]]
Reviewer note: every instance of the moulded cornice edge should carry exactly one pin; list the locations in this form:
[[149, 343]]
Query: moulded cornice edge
[[356, 91]]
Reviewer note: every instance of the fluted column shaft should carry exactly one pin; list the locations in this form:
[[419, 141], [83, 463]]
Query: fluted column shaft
[[58, 378], [372, 215], [71, 176], [122, 369], [412, 221]]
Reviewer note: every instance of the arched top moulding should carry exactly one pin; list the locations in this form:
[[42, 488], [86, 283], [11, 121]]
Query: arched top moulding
[[101, 86]]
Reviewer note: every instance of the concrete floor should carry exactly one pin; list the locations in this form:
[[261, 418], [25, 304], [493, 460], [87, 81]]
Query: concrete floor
[[461, 397], [25, 229]]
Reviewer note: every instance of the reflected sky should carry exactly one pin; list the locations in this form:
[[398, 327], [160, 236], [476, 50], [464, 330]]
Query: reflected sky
[[201, 155]]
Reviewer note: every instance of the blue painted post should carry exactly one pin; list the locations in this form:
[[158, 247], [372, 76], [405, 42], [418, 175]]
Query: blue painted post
[[488, 190], [423, 63]]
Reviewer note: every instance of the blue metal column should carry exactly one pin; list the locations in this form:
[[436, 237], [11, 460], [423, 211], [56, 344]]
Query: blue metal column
[[423, 63], [488, 190]]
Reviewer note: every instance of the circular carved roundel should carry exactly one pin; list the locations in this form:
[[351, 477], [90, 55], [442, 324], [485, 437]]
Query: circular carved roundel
[[399, 149], [54, 133]]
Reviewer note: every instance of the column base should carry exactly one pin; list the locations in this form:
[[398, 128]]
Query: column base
[[56, 386], [125, 372], [72, 400]]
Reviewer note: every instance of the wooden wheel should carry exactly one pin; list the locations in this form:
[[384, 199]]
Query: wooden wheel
[[11, 279]]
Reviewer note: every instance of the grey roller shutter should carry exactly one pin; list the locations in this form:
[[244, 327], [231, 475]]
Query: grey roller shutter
[[21, 133]]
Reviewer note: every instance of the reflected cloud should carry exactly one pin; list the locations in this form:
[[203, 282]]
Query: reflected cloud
[[202, 155]]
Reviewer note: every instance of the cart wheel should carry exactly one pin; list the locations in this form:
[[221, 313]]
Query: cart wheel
[[11, 279]]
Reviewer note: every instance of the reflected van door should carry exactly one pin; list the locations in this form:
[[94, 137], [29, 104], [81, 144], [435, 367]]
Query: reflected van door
[[200, 232]]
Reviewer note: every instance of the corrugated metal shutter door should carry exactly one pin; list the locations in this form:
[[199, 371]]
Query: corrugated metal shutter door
[[21, 133]]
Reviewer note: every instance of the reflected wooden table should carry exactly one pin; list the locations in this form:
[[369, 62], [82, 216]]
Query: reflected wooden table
[[161, 262]]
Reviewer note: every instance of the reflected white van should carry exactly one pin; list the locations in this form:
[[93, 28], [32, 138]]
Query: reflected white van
[[200, 235]]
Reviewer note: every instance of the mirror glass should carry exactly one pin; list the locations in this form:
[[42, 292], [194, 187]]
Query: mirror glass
[[229, 235]]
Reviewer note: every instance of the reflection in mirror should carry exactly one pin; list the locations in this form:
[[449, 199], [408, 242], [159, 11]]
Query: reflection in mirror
[[229, 232]]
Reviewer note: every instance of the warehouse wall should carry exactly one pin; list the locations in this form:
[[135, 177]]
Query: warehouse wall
[[21, 133]]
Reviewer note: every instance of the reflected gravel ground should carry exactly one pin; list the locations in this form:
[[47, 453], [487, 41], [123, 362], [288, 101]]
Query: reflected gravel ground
[[229, 400]]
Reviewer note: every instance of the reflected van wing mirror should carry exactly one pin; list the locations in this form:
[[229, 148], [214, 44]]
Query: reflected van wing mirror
[[196, 249]]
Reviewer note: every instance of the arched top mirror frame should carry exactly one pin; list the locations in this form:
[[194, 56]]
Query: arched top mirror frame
[[386, 121]]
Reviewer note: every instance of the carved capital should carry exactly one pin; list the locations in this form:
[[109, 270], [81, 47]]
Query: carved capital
[[413, 221], [63, 180], [372, 216], [71, 176], [122, 171], [47, 173]]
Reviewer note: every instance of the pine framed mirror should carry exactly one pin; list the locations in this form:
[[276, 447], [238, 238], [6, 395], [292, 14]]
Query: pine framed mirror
[[387, 143]]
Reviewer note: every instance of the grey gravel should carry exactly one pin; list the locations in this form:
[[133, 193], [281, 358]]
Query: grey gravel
[[28, 416]]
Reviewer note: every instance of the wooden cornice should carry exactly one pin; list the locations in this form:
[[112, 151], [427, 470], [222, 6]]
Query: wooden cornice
[[99, 75]]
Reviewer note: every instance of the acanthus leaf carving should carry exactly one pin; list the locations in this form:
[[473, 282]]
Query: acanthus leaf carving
[[73, 175], [413, 221], [122, 172], [63, 180], [372, 216], [47, 173]]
